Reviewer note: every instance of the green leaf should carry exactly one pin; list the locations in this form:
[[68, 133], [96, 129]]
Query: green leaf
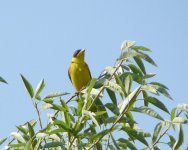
[[99, 135], [163, 91], [159, 84], [147, 58], [17, 146], [157, 103], [173, 113], [55, 94], [133, 133], [148, 111], [128, 83], [115, 143], [135, 69], [53, 145], [113, 108], [142, 48], [62, 125], [59, 130], [180, 140], [140, 63], [39, 88], [127, 143], [112, 96], [22, 129], [3, 80], [157, 131], [172, 141], [28, 86], [129, 100], [2, 140]]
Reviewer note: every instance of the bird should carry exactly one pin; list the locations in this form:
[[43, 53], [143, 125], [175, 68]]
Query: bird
[[79, 72], [80, 76]]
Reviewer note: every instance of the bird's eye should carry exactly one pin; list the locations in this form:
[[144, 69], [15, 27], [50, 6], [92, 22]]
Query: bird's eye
[[76, 52]]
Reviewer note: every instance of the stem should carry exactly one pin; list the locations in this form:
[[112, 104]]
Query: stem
[[107, 145], [110, 78], [161, 135], [38, 114]]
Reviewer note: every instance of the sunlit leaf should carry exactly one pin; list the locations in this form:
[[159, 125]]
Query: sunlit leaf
[[28, 86], [128, 83], [179, 120], [183, 107], [55, 94], [39, 88], [148, 111], [113, 86], [128, 101], [18, 137], [173, 113], [91, 115], [127, 44]]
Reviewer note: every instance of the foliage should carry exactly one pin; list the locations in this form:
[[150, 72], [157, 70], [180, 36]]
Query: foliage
[[102, 116]]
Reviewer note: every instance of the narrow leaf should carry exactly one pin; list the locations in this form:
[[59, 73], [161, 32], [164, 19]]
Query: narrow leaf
[[127, 44], [142, 48], [140, 64], [28, 86], [148, 111], [157, 103], [147, 58], [112, 96], [180, 140], [3, 80], [2, 140], [128, 83], [39, 88], [129, 100], [55, 94], [18, 137]]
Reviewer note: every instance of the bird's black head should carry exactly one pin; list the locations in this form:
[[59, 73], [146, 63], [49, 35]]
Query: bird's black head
[[76, 52]]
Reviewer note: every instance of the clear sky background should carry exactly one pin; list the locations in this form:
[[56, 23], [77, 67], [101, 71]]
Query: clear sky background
[[38, 38]]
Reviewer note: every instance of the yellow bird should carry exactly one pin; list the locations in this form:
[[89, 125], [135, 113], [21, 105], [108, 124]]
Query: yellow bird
[[78, 71]]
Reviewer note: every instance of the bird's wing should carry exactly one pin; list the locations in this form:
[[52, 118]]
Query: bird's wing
[[88, 70], [69, 73]]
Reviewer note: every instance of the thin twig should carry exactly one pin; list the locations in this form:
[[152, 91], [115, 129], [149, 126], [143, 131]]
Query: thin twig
[[161, 135], [38, 114], [107, 145]]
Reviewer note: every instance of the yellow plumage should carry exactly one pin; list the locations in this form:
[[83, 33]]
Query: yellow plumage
[[79, 72]]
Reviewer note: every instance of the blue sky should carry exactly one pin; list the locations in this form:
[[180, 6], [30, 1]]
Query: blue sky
[[38, 38]]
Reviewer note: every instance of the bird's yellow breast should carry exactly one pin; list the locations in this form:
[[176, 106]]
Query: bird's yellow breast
[[79, 74]]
